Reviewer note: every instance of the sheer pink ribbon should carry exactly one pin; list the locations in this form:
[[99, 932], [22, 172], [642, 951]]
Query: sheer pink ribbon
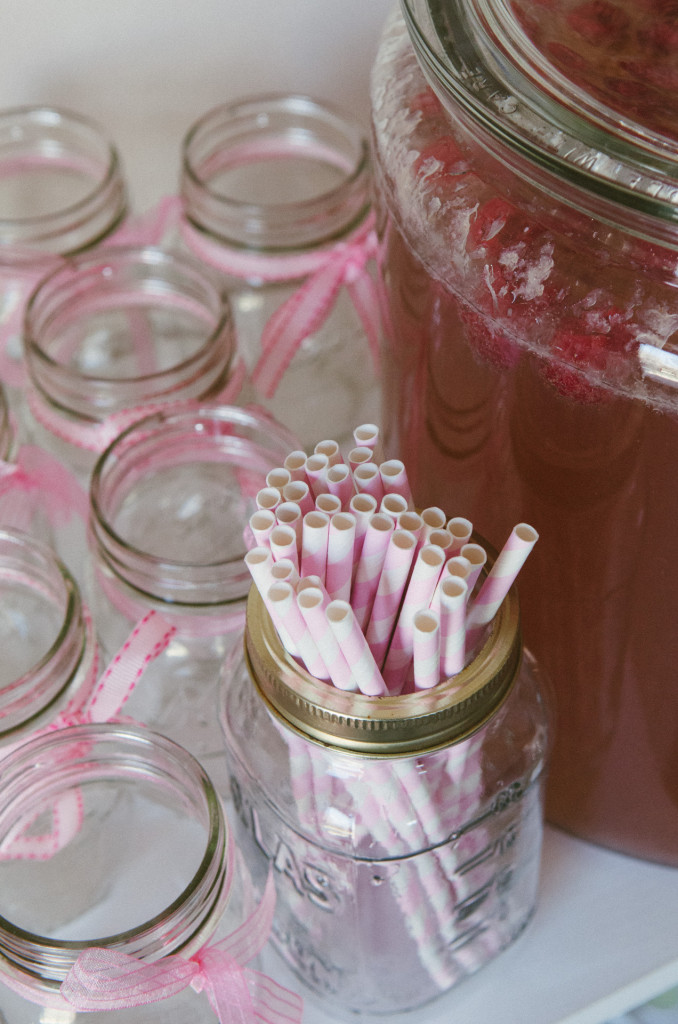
[[96, 701], [326, 271], [106, 979], [35, 473]]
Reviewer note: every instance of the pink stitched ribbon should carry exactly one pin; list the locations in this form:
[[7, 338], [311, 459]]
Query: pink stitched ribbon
[[106, 979], [36, 474]]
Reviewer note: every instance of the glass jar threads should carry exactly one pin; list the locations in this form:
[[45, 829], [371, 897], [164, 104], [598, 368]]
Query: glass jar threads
[[525, 173], [405, 832], [49, 662], [171, 500], [275, 194], [149, 864], [62, 190]]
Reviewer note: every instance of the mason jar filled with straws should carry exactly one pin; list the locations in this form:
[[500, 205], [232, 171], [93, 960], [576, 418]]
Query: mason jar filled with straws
[[276, 196], [387, 740]]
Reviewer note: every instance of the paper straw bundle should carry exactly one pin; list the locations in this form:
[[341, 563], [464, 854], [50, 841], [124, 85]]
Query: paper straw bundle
[[404, 607]]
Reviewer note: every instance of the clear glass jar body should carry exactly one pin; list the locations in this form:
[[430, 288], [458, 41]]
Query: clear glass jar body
[[523, 323], [170, 506], [271, 188], [147, 870], [50, 655], [62, 189], [397, 875]]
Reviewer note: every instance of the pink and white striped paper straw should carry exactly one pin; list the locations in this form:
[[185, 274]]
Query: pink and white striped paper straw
[[340, 483], [428, 566], [281, 602], [368, 570], [278, 477], [295, 464], [340, 546], [261, 523], [259, 562], [395, 480], [367, 480], [316, 469], [477, 556], [314, 540], [299, 492], [330, 504], [331, 449], [312, 602], [461, 530], [393, 505], [284, 570], [289, 514], [354, 646], [433, 518], [411, 521], [367, 435], [456, 566], [268, 498], [426, 650], [453, 594], [363, 507], [358, 456], [283, 543], [390, 590], [499, 579]]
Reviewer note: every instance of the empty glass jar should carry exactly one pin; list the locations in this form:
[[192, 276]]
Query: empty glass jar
[[275, 194]]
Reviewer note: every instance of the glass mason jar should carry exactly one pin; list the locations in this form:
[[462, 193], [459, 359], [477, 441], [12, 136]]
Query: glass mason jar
[[405, 832], [170, 504], [275, 194], [525, 171], [147, 870], [50, 657], [62, 189]]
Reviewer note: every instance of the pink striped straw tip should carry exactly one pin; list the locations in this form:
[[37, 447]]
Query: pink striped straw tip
[[284, 544], [453, 595], [288, 513], [314, 541], [330, 504], [295, 464], [426, 645], [281, 602], [259, 561], [395, 479], [358, 456], [316, 469], [441, 539], [394, 505], [367, 480], [261, 523], [312, 602], [393, 578], [299, 492], [457, 565], [278, 477], [411, 521], [340, 482], [363, 505], [284, 571], [368, 570], [461, 530], [340, 551], [366, 435], [354, 646], [477, 556], [268, 498], [502, 575], [331, 449]]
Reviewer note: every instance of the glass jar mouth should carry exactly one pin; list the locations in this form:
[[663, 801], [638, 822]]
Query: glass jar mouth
[[194, 466], [44, 769], [124, 326], [481, 64], [276, 129], [29, 565], [57, 142]]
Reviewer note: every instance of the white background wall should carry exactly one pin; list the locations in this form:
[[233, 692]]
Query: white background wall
[[146, 69]]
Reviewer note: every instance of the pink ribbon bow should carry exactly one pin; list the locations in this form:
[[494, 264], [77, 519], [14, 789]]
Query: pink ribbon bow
[[106, 979]]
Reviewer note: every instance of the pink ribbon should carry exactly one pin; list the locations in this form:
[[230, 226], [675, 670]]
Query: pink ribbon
[[106, 979], [36, 473], [100, 701]]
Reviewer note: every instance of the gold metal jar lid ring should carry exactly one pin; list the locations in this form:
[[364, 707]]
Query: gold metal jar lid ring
[[384, 726]]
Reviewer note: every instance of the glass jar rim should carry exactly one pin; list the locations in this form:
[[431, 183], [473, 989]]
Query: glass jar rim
[[147, 273], [479, 61], [218, 581], [113, 751], [82, 222], [279, 225]]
